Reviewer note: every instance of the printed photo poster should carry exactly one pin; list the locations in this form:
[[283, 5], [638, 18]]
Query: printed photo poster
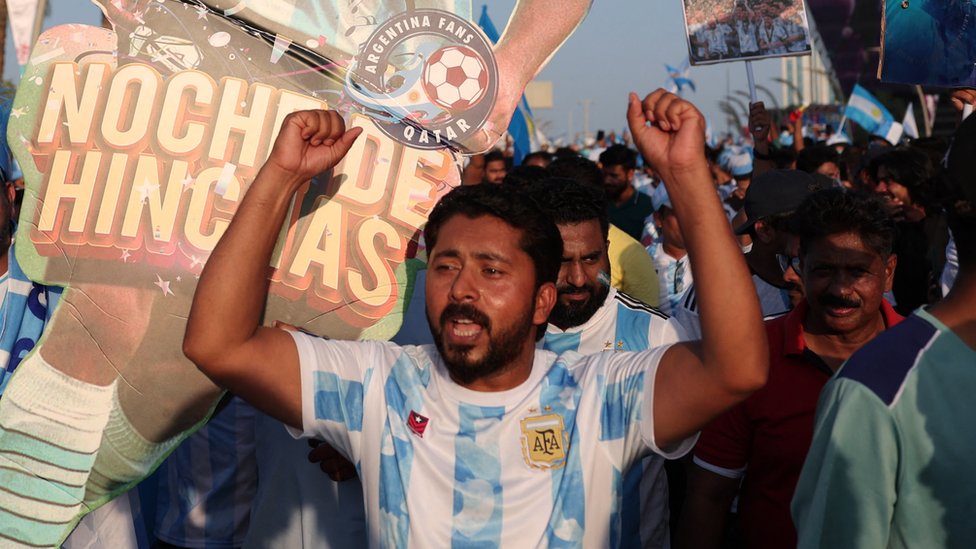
[[929, 42], [138, 143], [734, 30]]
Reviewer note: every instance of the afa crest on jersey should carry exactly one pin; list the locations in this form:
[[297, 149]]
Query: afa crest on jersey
[[544, 442]]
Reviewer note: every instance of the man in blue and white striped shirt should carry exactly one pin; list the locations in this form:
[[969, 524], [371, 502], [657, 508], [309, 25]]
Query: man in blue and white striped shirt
[[483, 439], [591, 317]]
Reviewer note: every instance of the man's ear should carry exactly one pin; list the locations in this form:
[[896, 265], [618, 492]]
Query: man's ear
[[890, 265], [545, 300], [630, 174], [764, 233]]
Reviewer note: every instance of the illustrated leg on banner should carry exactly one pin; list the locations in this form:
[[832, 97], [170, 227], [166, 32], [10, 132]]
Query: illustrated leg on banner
[[49, 443]]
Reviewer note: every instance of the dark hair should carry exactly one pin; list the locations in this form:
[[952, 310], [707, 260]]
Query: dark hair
[[619, 155], [836, 210], [495, 156], [578, 169], [542, 155], [811, 158], [914, 170], [960, 212], [540, 237], [961, 217], [563, 152], [523, 175], [568, 201], [782, 157]]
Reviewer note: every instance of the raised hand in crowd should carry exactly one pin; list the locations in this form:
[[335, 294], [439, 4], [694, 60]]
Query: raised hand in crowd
[[962, 97]]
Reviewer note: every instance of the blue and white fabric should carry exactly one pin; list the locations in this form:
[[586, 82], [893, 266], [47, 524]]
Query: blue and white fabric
[[470, 476]]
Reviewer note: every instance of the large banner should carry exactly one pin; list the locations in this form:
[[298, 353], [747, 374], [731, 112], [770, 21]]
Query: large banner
[[721, 31], [929, 42], [138, 143]]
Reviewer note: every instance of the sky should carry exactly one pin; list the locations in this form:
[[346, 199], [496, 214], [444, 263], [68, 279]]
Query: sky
[[619, 47]]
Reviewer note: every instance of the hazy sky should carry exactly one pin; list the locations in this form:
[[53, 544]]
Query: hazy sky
[[616, 49]]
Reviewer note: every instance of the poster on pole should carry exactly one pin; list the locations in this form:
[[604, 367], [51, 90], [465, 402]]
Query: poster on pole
[[137, 145], [743, 30], [928, 42]]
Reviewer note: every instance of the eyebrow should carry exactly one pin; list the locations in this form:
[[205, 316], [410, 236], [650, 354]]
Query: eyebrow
[[483, 256], [590, 255]]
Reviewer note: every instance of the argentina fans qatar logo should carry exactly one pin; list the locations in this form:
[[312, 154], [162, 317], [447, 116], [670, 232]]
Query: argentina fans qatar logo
[[427, 78]]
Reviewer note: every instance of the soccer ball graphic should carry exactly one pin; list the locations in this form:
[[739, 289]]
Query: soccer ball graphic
[[455, 78]]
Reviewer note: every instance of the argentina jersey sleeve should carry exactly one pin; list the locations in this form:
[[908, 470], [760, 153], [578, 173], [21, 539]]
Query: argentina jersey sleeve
[[335, 375], [627, 410]]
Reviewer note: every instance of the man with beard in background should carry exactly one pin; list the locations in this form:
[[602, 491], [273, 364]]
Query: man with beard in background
[[626, 208], [592, 317]]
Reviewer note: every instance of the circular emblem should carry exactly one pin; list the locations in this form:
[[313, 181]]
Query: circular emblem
[[427, 78]]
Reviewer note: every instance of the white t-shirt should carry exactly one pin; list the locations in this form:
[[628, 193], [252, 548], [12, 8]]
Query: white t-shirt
[[442, 465]]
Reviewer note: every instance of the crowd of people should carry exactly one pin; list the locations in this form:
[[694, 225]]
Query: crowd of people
[[656, 342]]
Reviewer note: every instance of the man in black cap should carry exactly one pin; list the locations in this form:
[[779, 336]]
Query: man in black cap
[[769, 204]]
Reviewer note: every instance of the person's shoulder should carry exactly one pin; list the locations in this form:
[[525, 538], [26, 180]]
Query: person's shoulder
[[885, 363], [633, 304], [645, 201]]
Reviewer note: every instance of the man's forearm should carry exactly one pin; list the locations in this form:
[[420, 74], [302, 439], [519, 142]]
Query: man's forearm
[[233, 287], [535, 31], [736, 349]]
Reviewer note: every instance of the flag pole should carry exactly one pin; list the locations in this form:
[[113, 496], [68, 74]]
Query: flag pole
[[752, 82]]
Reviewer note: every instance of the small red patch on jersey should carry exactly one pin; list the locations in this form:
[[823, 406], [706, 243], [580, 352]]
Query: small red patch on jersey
[[417, 423]]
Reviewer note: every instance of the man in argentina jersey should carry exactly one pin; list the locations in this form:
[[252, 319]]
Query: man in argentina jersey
[[591, 317], [482, 439], [891, 461]]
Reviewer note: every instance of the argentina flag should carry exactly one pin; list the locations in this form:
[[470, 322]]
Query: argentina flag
[[864, 109]]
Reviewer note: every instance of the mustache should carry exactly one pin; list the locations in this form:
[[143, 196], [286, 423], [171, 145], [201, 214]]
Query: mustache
[[569, 289], [839, 301], [465, 310]]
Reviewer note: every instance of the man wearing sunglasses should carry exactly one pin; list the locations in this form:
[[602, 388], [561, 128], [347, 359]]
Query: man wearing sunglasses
[[845, 264], [769, 204]]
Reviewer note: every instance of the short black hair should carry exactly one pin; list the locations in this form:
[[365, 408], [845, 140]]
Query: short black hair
[[619, 155], [540, 238], [578, 169], [837, 210], [542, 155], [523, 175], [811, 158], [568, 201], [494, 156]]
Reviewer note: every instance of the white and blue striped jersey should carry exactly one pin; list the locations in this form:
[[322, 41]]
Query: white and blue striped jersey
[[539, 465], [673, 276], [773, 302], [626, 324], [207, 484], [622, 323]]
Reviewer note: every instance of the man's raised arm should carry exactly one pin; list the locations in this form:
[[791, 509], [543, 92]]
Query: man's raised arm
[[223, 333], [697, 381]]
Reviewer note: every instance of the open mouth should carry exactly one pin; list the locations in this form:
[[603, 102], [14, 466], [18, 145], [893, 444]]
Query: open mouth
[[465, 328], [463, 324]]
